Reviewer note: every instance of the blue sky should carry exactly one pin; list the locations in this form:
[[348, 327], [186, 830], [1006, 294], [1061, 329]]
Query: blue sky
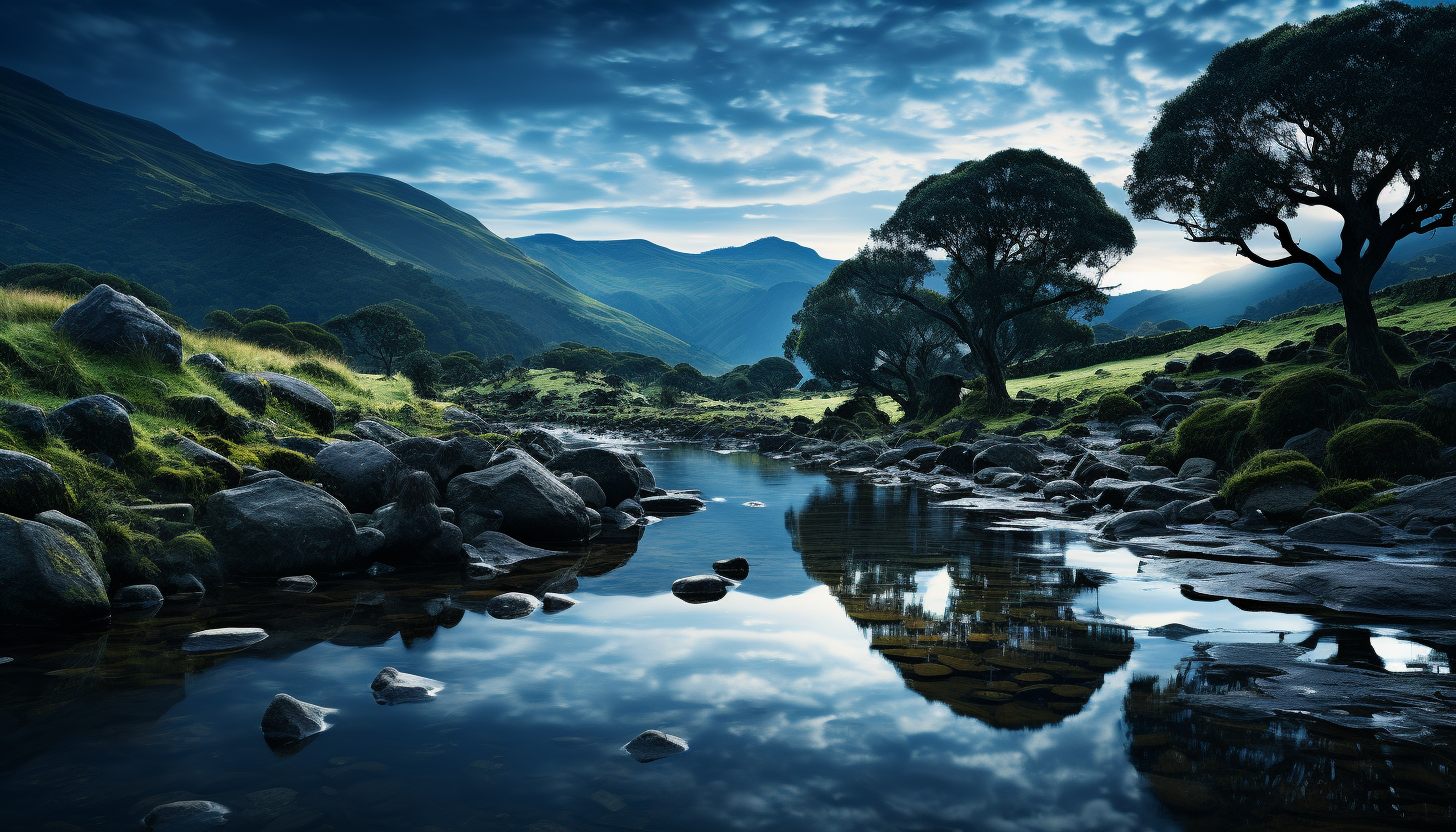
[[691, 124]]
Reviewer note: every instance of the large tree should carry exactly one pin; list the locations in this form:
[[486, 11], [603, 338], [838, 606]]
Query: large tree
[[1331, 114], [379, 333], [1024, 232]]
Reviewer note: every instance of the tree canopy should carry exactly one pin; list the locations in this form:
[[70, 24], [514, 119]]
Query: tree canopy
[[379, 333], [1332, 114]]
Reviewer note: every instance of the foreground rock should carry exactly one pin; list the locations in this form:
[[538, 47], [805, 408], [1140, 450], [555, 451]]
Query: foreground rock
[[289, 719], [672, 505], [108, 321], [503, 551], [362, 475], [186, 815], [29, 486], [310, 402], [284, 527], [46, 578], [732, 568], [613, 471], [392, 687], [697, 589], [535, 504], [94, 423], [654, 745], [1338, 528], [1423, 507], [223, 639]]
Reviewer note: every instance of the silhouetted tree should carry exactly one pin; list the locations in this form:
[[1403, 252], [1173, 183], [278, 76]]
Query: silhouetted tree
[[379, 332]]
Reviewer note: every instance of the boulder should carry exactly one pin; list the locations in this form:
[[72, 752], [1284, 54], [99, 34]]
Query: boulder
[[1154, 495], [1149, 473], [82, 534], [512, 605], [654, 745], [223, 639], [535, 504], [461, 455], [1197, 468], [1064, 488], [108, 321], [1140, 432], [1145, 523], [378, 431], [554, 602], [614, 471], [247, 392], [283, 527], [1199, 511], [959, 457], [29, 486], [1288, 499], [1432, 374], [1423, 506], [93, 423], [289, 719], [541, 445], [207, 361], [309, 401], [412, 524], [46, 578], [136, 597], [392, 687], [670, 505], [1020, 458], [204, 457], [735, 569], [186, 815], [202, 412], [590, 493], [1237, 359], [1311, 443], [702, 587], [25, 421], [362, 475], [502, 551], [418, 454], [306, 445], [1338, 528]]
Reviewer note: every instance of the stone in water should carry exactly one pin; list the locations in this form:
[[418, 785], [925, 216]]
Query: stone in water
[[227, 638], [654, 745]]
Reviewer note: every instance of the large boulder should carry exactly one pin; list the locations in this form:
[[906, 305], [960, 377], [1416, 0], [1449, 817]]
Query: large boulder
[[1237, 359], [309, 401], [108, 321], [46, 578], [25, 421], [381, 432], [536, 504], [29, 486], [1338, 528], [281, 527], [1311, 444], [247, 392], [504, 552], [204, 457], [1020, 458], [1145, 523], [614, 471], [461, 455], [417, 453], [94, 423], [1286, 499], [200, 411], [362, 475], [1422, 507]]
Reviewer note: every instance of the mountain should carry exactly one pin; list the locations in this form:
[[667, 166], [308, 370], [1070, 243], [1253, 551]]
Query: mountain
[[111, 192], [735, 302], [1439, 260]]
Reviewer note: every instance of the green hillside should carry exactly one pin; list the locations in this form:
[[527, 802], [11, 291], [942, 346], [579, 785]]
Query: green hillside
[[95, 187]]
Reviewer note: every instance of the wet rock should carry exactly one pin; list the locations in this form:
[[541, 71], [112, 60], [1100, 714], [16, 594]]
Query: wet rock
[[654, 745], [93, 423], [1020, 458], [535, 504], [1222, 517], [590, 493], [207, 361], [699, 588], [1424, 506], [289, 719], [392, 687], [512, 605], [362, 475], [283, 527], [247, 392], [46, 578], [1149, 473], [1281, 500], [297, 583], [541, 444], [82, 534], [461, 455], [732, 568], [1379, 589], [1153, 495], [1199, 510], [1140, 432], [1310, 443], [108, 321], [26, 421], [412, 520], [1081, 508], [1064, 488], [504, 552], [417, 453], [1135, 524], [310, 402], [1338, 528], [259, 476], [136, 597], [29, 486], [614, 471], [631, 508], [1175, 631], [669, 505], [621, 520], [186, 815], [554, 602]]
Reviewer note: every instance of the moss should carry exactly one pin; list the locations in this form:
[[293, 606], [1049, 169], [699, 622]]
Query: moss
[[1394, 346], [1115, 407], [292, 463], [1164, 454], [1136, 448], [1378, 501], [1384, 448], [948, 439], [1309, 399], [1216, 431], [1076, 429], [129, 553], [1348, 494], [1271, 468]]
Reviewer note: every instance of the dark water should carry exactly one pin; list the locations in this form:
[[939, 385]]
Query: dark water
[[887, 665]]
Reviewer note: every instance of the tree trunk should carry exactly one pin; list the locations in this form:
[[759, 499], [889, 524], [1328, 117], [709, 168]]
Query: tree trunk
[[997, 399], [1368, 361]]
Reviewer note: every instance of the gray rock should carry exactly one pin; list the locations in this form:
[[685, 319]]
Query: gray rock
[[554, 602], [702, 586], [298, 583], [25, 420], [204, 457], [1134, 524], [1446, 533], [1141, 432], [46, 578], [207, 361], [93, 423], [362, 475], [289, 719], [222, 639], [249, 393], [108, 321], [1426, 505], [504, 552], [259, 476], [1281, 500], [535, 504], [668, 505], [1149, 473], [29, 486], [590, 493], [1170, 510], [1237, 359], [83, 535], [413, 520], [654, 745], [1310, 443], [418, 454], [1199, 510], [462, 455], [512, 605], [136, 597], [186, 815], [1223, 517], [735, 569], [201, 412], [1376, 588], [392, 687], [1064, 488], [283, 527], [1338, 528], [1156, 495], [310, 402], [384, 434], [1081, 508], [614, 471], [1020, 458], [541, 444]]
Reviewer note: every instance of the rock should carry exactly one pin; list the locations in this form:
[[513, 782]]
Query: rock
[[201, 412], [1174, 366], [1281, 500], [1175, 631], [108, 321], [93, 423], [461, 455], [1020, 458], [309, 401], [1153, 495], [46, 578], [1197, 467], [394, 688], [412, 520], [362, 475], [380, 432], [377, 569], [1081, 508], [1446, 533], [1064, 488], [512, 605], [1145, 523], [1035, 423], [1141, 432], [82, 534], [1149, 473], [186, 815], [289, 719], [503, 552], [1199, 510], [223, 639], [1237, 359], [1432, 374], [1425, 506], [1338, 528], [26, 421], [203, 457], [1382, 589], [306, 445], [1223, 517], [654, 745], [631, 508], [418, 454], [1310, 443], [207, 361], [555, 602], [297, 583], [184, 587], [614, 471], [590, 493], [541, 445], [669, 505], [535, 504], [283, 527], [732, 568], [136, 597], [699, 588], [29, 486], [247, 392], [258, 476]]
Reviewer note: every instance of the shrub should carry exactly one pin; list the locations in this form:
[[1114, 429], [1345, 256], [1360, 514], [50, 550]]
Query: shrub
[[1308, 399], [836, 429], [942, 394], [1384, 448], [855, 406], [1115, 407], [1348, 494], [866, 421], [1216, 431], [1271, 468], [422, 369], [1395, 347]]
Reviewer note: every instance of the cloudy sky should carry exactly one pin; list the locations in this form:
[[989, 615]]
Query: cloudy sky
[[691, 124]]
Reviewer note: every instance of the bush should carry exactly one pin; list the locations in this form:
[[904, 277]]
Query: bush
[[1115, 407], [1395, 347], [855, 406], [422, 369], [942, 394], [1308, 399], [1268, 469], [836, 429], [1348, 494], [1216, 431], [1384, 448]]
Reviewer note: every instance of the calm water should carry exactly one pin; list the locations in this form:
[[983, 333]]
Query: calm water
[[887, 665]]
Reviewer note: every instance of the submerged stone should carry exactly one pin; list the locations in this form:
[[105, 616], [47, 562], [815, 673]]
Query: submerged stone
[[222, 639], [186, 814], [392, 687], [290, 719], [654, 745]]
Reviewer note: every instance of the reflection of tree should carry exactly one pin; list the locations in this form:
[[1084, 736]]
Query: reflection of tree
[[1007, 650]]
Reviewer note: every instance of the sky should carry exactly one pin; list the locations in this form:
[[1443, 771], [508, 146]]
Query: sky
[[695, 125]]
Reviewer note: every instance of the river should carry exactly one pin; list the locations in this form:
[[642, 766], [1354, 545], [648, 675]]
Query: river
[[889, 663]]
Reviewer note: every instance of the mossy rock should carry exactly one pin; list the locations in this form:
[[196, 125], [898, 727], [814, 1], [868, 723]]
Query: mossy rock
[[1216, 431], [1384, 448], [1115, 407], [1395, 347], [1309, 399], [1269, 469], [1348, 494], [947, 439]]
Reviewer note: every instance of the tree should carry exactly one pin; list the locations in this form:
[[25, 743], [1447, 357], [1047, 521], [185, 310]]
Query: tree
[[1024, 231], [379, 332], [422, 368], [1329, 114]]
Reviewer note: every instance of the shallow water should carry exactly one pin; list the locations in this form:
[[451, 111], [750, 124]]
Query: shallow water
[[888, 664]]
